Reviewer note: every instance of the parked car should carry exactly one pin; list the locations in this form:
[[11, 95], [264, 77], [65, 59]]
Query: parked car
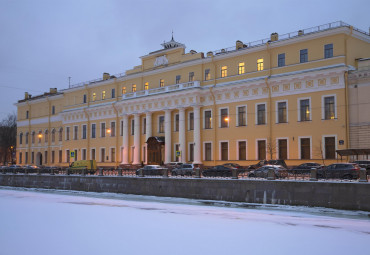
[[172, 165], [364, 164], [276, 162], [185, 169], [340, 171], [262, 172], [221, 170], [305, 168], [151, 170]]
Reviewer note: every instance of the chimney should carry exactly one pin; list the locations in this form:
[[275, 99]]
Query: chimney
[[274, 37], [209, 54], [239, 45], [53, 90], [105, 76]]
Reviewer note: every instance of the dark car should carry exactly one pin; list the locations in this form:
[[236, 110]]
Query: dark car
[[151, 170], [364, 164], [262, 172], [223, 171], [185, 169], [339, 171], [235, 165], [275, 162], [305, 168]]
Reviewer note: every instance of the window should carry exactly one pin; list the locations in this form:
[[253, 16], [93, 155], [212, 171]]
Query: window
[[146, 85], [144, 126], [102, 129], [53, 135], [191, 76], [52, 157], [283, 148], [133, 88], [46, 136], [303, 56], [161, 83], [208, 151], [329, 105], [113, 129], [84, 131], [328, 50], [282, 112], [93, 156], [20, 158], [304, 109], [113, 93], [177, 122], [27, 114], [132, 127], [223, 71], [329, 147], [208, 119], [39, 136], [191, 152], [60, 156], [75, 133], [85, 99], [27, 135], [60, 134], [67, 156], [93, 97], [242, 147], [46, 156], [26, 158], [305, 148], [123, 90], [191, 120], [207, 75], [241, 68], [261, 146], [177, 148], [67, 133], [32, 157], [33, 137], [224, 118], [161, 124], [53, 110], [103, 95], [112, 154], [281, 60], [20, 138], [121, 132], [242, 116], [178, 78], [261, 114], [83, 154], [224, 151], [93, 130], [260, 64], [102, 155]]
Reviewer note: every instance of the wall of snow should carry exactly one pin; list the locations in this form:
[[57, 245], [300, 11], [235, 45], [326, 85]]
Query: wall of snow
[[340, 195]]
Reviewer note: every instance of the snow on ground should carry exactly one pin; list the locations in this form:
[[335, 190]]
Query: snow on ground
[[65, 222]]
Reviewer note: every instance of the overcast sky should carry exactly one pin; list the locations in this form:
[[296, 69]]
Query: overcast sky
[[42, 43]]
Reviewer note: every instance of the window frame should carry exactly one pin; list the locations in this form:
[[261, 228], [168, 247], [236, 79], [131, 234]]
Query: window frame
[[205, 152], [237, 115], [220, 120], [309, 108], [303, 56], [299, 146], [241, 68], [220, 150], [281, 59], [204, 119], [328, 50], [323, 106], [277, 119], [256, 113], [223, 71], [246, 149]]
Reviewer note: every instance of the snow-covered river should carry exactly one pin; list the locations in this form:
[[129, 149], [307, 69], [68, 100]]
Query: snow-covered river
[[64, 222]]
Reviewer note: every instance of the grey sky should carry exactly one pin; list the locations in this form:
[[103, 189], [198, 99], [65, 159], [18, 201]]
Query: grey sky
[[42, 43]]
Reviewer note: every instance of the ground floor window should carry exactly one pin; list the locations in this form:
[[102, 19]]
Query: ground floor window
[[32, 158], [283, 148], [208, 151], [191, 152], [113, 154], [261, 147], [242, 145], [20, 158], [83, 154], [102, 155], [60, 156], [26, 158], [305, 148], [52, 157], [46, 157], [67, 156], [93, 157], [224, 151], [329, 147]]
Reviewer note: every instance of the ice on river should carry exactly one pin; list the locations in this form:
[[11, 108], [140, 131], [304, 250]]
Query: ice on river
[[64, 222]]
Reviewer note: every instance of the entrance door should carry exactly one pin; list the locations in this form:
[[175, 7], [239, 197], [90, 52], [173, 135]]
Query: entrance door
[[155, 150], [39, 159]]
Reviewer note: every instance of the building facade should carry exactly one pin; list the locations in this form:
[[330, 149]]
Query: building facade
[[285, 97]]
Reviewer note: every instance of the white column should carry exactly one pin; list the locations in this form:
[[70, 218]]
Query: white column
[[136, 139], [197, 143], [182, 135], [125, 140], [148, 125], [167, 137]]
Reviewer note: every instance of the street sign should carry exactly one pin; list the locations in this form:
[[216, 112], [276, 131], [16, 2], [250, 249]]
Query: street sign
[[341, 142], [72, 154], [178, 153]]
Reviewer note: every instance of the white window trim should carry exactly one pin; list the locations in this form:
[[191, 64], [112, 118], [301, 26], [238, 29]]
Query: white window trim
[[91, 149], [110, 154], [204, 150], [219, 116], [159, 124], [204, 118], [74, 134], [65, 154], [277, 111], [220, 152], [323, 145], [100, 154], [256, 147], [65, 133], [174, 122], [299, 108], [189, 120], [82, 131], [188, 156], [91, 133], [299, 146], [237, 115], [256, 113], [101, 131], [246, 148], [277, 146], [82, 149], [115, 128], [323, 105]]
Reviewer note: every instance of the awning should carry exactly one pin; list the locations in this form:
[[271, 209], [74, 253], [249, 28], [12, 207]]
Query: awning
[[351, 152]]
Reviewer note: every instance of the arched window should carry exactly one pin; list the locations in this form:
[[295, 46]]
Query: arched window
[[33, 137], [27, 135], [39, 136], [20, 138], [46, 136], [53, 135], [60, 134]]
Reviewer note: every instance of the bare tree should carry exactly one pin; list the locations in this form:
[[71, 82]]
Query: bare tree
[[319, 152], [8, 134], [271, 147]]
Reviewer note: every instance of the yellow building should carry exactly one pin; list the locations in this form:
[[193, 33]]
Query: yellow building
[[283, 97]]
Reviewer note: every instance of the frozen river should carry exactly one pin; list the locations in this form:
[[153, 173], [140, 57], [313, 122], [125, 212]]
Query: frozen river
[[60, 222]]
